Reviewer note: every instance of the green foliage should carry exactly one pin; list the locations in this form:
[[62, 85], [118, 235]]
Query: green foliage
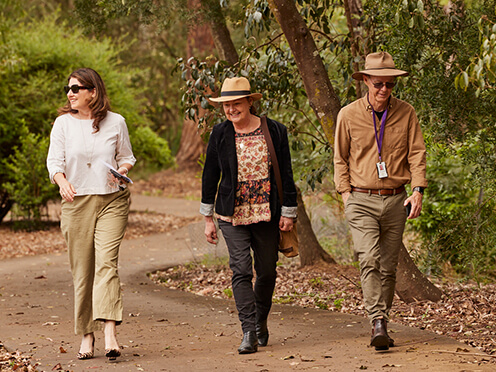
[[36, 56], [481, 72], [316, 282], [151, 148], [338, 303], [467, 241], [228, 292], [457, 221], [26, 167]]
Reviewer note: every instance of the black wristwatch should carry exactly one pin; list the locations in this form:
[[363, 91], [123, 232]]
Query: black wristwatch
[[419, 189]]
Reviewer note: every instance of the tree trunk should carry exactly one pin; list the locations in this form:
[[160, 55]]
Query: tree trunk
[[353, 11], [411, 284], [325, 103], [191, 146], [201, 39], [220, 33], [322, 98], [311, 252]]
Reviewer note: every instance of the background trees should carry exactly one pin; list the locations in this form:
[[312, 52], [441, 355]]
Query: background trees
[[303, 66]]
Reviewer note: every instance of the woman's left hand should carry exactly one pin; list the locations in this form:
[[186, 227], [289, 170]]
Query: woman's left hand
[[285, 223]]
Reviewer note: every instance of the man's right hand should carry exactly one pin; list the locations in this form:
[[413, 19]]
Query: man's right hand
[[345, 195]]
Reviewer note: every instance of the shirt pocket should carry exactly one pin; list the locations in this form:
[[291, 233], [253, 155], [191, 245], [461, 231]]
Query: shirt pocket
[[396, 138]]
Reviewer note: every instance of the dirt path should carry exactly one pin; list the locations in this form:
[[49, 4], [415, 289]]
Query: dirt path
[[166, 330]]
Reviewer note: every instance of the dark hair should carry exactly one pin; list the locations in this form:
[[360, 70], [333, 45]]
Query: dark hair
[[100, 104], [253, 109]]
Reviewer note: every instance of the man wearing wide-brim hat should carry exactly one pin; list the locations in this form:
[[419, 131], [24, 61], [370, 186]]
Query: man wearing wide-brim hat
[[378, 150]]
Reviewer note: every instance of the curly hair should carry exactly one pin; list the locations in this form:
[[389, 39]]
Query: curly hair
[[99, 105]]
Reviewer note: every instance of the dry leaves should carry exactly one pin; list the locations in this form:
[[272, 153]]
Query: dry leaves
[[466, 313], [22, 243], [14, 361]]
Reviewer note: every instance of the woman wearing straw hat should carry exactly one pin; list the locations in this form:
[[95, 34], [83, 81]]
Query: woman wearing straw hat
[[379, 149], [246, 204]]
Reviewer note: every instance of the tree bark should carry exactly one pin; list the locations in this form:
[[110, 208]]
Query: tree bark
[[191, 146], [220, 32], [202, 38], [411, 284], [353, 12], [311, 251], [321, 95]]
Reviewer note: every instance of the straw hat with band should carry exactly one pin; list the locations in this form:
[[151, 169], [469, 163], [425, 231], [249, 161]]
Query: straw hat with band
[[235, 88], [379, 64]]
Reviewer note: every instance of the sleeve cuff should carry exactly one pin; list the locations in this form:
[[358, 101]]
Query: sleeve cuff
[[290, 212], [206, 209]]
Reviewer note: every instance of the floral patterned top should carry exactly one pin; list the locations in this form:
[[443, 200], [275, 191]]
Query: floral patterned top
[[253, 191]]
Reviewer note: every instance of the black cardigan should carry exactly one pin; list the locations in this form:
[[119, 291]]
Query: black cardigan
[[221, 163]]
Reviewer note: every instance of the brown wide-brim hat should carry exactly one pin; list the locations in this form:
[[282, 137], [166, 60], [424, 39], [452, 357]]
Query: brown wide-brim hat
[[235, 88], [379, 64]]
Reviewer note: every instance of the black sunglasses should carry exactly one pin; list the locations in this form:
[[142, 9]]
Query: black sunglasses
[[381, 84], [75, 88]]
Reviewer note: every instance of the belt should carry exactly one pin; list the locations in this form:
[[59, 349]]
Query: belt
[[399, 190]]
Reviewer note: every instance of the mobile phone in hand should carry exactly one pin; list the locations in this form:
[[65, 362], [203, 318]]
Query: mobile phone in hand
[[408, 208]]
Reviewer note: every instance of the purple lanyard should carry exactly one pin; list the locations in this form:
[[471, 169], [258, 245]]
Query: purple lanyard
[[378, 140]]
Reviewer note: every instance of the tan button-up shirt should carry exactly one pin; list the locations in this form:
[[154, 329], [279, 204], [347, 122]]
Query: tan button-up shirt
[[356, 153]]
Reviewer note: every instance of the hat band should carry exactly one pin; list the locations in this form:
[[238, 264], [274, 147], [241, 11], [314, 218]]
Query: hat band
[[235, 93], [380, 68]]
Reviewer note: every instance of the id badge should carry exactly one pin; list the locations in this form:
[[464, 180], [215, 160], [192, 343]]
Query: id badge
[[381, 170]]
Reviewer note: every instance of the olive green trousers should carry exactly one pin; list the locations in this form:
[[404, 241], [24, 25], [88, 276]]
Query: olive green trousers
[[377, 224], [93, 227]]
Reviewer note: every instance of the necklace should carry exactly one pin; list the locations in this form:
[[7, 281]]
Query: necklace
[[89, 156]]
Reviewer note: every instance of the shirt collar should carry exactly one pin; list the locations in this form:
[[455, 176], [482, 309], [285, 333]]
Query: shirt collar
[[368, 106]]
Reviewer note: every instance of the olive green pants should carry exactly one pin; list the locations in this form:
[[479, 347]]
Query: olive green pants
[[377, 224], [93, 227]]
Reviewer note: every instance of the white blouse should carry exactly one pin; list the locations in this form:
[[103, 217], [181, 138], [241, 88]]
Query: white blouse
[[80, 154]]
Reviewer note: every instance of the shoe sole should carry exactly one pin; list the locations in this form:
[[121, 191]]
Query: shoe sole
[[380, 341], [248, 351], [381, 348]]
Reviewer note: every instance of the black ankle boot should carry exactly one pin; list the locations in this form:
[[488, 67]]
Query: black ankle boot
[[262, 333], [249, 344]]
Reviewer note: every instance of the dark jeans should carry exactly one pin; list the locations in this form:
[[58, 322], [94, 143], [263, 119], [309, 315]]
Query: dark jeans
[[253, 302]]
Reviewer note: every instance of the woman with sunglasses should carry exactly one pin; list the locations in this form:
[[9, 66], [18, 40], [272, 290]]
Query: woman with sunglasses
[[87, 137]]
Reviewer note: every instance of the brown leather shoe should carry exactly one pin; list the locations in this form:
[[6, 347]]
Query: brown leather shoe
[[380, 338]]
